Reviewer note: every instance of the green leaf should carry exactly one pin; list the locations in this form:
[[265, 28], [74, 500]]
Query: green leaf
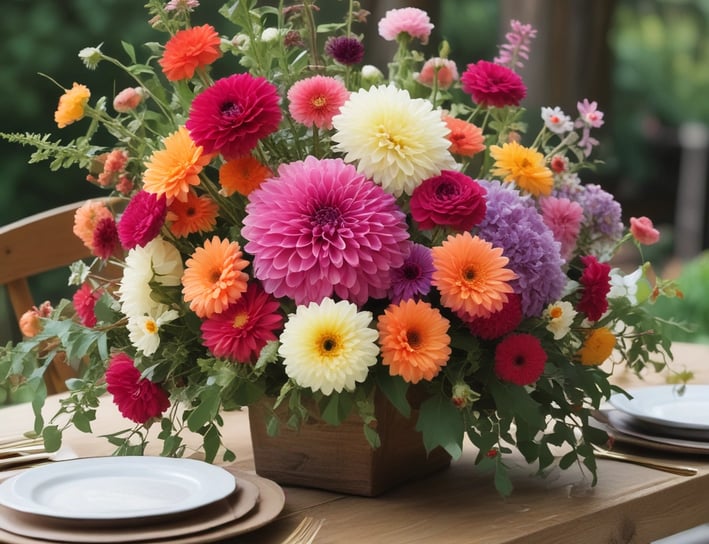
[[338, 407], [206, 411], [82, 422], [395, 389], [52, 437], [212, 441], [441, 424], [372, 437], [503, 483]]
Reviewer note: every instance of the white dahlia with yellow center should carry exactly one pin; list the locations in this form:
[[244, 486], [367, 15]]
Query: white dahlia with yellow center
[[395, 140]]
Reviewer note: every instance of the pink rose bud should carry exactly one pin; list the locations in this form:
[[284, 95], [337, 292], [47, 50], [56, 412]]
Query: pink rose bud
[[444, 69], [643, 231], [128, 99]]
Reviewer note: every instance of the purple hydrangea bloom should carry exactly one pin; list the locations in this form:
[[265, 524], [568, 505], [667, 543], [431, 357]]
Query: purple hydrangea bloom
[[602, 213], [513, 223], [413, 279]]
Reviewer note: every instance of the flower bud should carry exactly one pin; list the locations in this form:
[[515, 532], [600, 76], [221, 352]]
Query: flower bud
[[462, 395], [371, 74], [128, 99], [270, 35], [30, 324]]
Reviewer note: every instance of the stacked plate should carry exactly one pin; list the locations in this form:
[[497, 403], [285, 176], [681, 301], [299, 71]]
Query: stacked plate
[[134, 499], [664, 417]]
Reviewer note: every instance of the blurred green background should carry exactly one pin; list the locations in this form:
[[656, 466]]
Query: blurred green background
[[645, 61]]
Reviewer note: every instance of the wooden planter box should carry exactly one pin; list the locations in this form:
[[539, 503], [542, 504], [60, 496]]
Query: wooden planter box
[[339, 458]]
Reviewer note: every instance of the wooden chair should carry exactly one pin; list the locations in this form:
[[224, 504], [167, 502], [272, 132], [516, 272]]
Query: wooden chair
[[32, 246]]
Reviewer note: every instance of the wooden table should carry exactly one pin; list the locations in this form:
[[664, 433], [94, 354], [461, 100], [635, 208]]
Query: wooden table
[[630, 504]]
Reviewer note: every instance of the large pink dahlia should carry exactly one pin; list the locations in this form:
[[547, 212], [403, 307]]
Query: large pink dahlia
[[231, 116], [321, 229]]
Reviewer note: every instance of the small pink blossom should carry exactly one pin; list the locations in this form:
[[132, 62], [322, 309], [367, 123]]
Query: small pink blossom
[[563, 217], [517, 47], [128, 99], [643, 230], [316, 100], [590, 116], [444, 70], [412, 21]]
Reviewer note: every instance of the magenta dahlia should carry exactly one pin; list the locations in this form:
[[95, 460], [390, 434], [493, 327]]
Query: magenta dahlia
[[231, 116], [142, 219], [493, 85], [321, 229]]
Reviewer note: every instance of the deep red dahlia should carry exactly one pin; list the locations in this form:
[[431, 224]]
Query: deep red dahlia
[[493, 85], [520, 359], [499, 323], [239, 332], [595, 280], [231, 116], [137, 399], [105, 239], [84, 302], [450, 199]]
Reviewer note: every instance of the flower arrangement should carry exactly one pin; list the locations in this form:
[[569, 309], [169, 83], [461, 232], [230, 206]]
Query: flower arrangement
[[309, 229]]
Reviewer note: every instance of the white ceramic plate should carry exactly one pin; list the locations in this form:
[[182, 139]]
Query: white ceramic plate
[[664, 405], [114, 488], [622, 427]]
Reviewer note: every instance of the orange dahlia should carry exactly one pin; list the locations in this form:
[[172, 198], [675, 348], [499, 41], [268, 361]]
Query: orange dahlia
[[213, 277], [242, 175], [466, 139], [414, 340], [173, 170], [188, 50], [196, 214], [471, 276]]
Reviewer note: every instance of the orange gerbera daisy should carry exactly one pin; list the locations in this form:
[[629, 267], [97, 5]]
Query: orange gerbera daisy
[[597, 347], [213, 277], [466, 138], [188, 50], [196, 214], [242, 175], [523, 166], [471, 276], [71, 105], [414, 340], [86, 218], [171, 171]]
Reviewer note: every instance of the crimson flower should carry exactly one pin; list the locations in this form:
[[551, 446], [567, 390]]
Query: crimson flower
[[493, 85], [138, 399], [450, 199], [142, 219], [231, 116], [520, 359], [596, 286]]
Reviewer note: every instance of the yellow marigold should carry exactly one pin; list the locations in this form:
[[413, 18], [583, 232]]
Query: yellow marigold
[[71, 105], [597, 347], [523, 166], [173, 170]]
